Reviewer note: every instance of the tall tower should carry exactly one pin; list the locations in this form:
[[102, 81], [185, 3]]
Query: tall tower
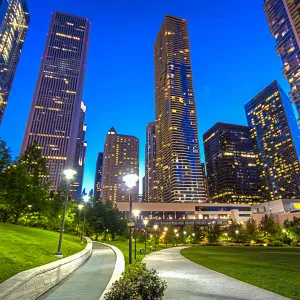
[[150, 177], [178, 167], [56, 106], [79, 159], [14, 18], [233, 176], [98, 176], [276, 139], [121, 157], [284, 22]]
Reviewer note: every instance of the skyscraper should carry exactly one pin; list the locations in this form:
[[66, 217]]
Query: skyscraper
[[283, 20], [276, 140], [14, 18], [98, 176], [178, 166], [150, 177], [121, 157], [56, 106], [232, 173], [79, 159]]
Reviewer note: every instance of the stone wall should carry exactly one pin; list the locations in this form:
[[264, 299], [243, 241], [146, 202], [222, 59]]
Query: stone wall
[[33, 283]]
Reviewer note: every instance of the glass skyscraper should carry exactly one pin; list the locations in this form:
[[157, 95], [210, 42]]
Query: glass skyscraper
[[232, 173], [284, 23], [178, 168], [98, 176], [276, 139], [79, 159], [56, 106], [14, 18]]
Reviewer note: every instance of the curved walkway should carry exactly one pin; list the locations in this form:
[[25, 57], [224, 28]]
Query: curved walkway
[[89, 280], [187, 280]]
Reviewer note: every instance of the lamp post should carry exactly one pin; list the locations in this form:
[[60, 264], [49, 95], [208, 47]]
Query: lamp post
[[155, 228], [184, 234], [80, 207], [136, 214], [175, 231], [146, 223], [130, 180], [284, 232], [177, 235], [86, 199], [69, 174], [165, 235], [193, 234]]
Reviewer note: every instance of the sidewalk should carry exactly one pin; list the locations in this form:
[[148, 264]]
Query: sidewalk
[[190, 281], [89, 280]]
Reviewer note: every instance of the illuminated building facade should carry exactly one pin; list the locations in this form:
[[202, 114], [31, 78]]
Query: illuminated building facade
[[56, 107], [14, 18], [232, 173], [79, 159], [276, 139], [178, 167], [151, 184], [284, 24], [98, 176], [121, 157]]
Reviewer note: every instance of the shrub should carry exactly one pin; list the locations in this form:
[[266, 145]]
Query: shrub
[[137, 283]]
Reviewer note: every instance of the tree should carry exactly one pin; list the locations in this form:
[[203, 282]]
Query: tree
[[5, 156], [251, 231], [293, 228], [270, 228], [213, 234], [236, 232]]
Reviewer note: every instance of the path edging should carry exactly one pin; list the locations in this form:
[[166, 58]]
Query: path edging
[[118, 270], [32, 283]]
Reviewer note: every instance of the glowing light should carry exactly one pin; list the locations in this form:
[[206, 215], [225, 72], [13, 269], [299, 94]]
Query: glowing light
[[130, 180], [69, 173]]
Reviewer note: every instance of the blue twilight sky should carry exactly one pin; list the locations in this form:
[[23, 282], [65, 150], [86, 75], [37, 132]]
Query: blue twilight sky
[[233, 58]]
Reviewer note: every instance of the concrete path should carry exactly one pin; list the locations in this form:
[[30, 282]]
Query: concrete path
[[89, 280], [190, 281]]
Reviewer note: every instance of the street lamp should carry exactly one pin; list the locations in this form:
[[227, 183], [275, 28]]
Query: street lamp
[[237, 232], [193, 234], [177, 235], [136, 214], [184, 234], [130, 180], [69, 174], [155, 228], [146, 223], [86, 199]]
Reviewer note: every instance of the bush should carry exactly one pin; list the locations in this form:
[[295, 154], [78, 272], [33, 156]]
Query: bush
[[137, 283]]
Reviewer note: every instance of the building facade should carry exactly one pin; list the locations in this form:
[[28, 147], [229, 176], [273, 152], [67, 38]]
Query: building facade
[[98, 176], [121, 157], [79, 159], [178, 167], [276, 139], [283, 20], [14, 18], [232, 173], [56, 107], [151, 185]]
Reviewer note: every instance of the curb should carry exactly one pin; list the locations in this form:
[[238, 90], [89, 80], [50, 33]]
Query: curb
[[118, 270], [32, 283]]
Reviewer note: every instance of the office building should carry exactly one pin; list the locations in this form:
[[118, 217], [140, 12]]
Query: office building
[[151, 184], [121, 157], [56, 106], [276, 139], [283, 20], [79, 159], [232, 173], [98, 176], [14, 18], [178, 166]]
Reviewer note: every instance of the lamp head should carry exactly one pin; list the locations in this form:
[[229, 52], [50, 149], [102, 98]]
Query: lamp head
[[131, 180], [80, 206], [155, 227], [136, 213], [146, 222], [86, 198], [69, 173], [193, 234]]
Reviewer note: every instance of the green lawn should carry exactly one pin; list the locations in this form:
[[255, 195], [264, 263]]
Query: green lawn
[[23, 248], [274, 269], [124, 247]]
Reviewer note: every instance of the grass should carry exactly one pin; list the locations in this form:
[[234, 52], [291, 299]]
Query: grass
[[274, 269], [124, 247], [23, 248]]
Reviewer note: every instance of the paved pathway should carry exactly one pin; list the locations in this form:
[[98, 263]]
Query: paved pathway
[[190, 281], [89, 280]]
